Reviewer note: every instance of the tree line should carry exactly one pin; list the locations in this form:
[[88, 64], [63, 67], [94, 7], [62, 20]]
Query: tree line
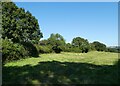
[[21, 37], [57, 43]]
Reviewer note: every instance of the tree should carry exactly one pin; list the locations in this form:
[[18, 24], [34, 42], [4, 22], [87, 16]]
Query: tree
[[19, 25], [81, 43], [6, 1], [115, 49], [92, 47], [43, 42], [99, 46], [68, 47], [57, 42]]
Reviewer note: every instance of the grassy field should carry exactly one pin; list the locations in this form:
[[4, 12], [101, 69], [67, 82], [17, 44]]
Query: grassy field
[[65, 68]]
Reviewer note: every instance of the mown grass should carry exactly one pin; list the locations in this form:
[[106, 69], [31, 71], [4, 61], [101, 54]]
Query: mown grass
[[64, 68]]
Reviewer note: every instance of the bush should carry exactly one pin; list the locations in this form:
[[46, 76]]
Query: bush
[[85, 49], [12, 51], [68, 50], [44, 49], [114, 49], [99, 46], [57, 49], [73, 49], [31, 49], [76, 50]]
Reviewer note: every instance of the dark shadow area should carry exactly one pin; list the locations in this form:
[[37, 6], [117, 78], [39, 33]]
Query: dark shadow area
[[49, 73]]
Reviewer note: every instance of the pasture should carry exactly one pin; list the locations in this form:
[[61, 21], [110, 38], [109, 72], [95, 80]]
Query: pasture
[[64, 68]]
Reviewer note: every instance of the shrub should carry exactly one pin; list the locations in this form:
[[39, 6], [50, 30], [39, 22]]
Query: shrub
[[85, 49], [73, 49], [57, 49], [76, 50], [67, 50], [44, 49], [99, 46], [12, 51], [113, 49], [31, 49]]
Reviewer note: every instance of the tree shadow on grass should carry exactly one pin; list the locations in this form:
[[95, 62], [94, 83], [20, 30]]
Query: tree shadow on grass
[[49, 73]]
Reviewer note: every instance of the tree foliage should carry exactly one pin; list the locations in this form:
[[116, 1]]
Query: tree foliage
[[92, 47], [43, 42], [12, 51], [22, 29], [99, 46], [68, 47], [115, 49], [81, 43], [19, 25], [57, 42]]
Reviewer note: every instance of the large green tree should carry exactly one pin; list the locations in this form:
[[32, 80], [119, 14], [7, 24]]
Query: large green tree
[[57, 42], [99, 46], [81, 43], [19, 25]]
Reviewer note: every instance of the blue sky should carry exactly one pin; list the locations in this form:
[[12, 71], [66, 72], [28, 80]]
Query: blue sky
[[95, 21]]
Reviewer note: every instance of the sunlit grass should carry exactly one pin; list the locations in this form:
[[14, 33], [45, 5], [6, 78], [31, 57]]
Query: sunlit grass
[[64, 68], [97, 58]]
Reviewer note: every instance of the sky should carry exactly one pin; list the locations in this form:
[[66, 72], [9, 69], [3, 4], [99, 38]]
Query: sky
[[65, 0], [95, 21]]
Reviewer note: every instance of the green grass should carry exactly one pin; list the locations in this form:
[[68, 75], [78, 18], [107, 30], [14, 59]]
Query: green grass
[[64, 68]]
